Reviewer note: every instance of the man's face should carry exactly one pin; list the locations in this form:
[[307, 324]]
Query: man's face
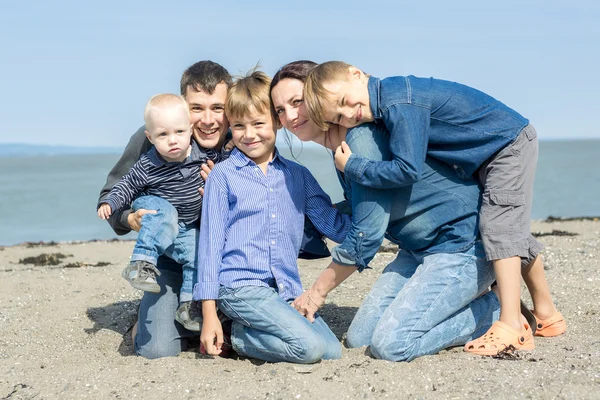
[[207, 113], [348, 104]]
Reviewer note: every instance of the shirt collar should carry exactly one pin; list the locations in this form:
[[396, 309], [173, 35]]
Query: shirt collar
[[374, 87], [240, 160]]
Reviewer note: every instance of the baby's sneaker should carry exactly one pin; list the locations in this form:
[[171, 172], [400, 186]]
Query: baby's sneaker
[[189, 315], [142, 275]]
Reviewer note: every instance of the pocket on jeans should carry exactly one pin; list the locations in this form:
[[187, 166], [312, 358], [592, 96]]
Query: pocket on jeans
[[227, 309]]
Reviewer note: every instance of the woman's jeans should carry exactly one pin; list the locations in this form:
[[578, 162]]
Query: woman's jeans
[[423, 304], [268, 328]]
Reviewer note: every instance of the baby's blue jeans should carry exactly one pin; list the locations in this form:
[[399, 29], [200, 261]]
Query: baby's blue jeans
[[162, 234]]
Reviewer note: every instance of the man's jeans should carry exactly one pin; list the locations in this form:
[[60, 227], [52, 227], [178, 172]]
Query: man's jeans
[[162, 234], [268, 328], [158, 334], [421, 305]]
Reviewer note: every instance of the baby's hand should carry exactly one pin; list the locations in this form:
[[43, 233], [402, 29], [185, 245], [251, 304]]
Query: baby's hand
[[104, 211], [342, 154]]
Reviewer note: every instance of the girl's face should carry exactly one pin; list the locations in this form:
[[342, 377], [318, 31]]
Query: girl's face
[[288, 101]]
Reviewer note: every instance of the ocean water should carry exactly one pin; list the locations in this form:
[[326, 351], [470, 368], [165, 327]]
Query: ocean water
[[45, 198]]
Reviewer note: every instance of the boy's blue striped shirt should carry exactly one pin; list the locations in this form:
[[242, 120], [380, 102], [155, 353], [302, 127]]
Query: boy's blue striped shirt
[[176, 182], [252, 225]]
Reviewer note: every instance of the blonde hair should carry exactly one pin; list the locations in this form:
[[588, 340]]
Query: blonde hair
[[315, 94], [162, 101], [247, 94]]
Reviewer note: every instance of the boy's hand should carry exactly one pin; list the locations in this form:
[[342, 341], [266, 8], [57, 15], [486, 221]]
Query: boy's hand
[[309, 303], [211, 335], [135, 218], [342, 154], [104, 211]]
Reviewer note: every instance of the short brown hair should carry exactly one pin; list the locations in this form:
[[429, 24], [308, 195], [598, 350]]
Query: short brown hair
[[250, 91], [204, 76], [315, 93]]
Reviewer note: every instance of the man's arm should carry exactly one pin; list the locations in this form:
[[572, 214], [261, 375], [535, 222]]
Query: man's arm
[[138, 145]]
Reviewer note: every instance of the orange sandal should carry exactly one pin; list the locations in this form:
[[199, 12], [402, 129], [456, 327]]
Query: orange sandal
[[499, 337], [553, 326]]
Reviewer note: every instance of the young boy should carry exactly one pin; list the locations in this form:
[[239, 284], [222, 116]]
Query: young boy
[[168, 179], [476, 135], [251, 230]]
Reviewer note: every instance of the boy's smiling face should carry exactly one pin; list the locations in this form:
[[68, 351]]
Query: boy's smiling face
[[254, 135], [348, 101]]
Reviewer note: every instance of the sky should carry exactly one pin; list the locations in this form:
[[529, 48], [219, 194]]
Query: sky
[[79, 73]]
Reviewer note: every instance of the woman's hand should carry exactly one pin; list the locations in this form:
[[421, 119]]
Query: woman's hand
[[308, 303]]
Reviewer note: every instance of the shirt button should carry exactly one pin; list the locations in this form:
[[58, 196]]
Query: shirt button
[[272, 242], [270, 189], [272, 215], [281, 286], [360, 234]]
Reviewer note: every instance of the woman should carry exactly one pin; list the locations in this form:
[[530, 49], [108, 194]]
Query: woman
[[427, 298]]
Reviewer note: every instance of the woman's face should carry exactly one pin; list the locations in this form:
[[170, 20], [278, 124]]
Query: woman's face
[[288, 101]]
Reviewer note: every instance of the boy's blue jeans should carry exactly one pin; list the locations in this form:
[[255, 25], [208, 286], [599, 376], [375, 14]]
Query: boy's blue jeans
[[268, 328], [423, 304], [162, 234]]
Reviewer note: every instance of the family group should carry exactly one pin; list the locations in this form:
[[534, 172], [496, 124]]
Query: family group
[[440, 168]]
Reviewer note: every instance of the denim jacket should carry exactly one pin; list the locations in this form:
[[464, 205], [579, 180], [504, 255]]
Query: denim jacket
[[437, 214], [450, 122]]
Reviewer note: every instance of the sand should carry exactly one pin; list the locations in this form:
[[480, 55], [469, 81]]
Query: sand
[[62, 336]]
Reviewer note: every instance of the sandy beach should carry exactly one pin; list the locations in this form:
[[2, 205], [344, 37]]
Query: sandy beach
[[62, 336]]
